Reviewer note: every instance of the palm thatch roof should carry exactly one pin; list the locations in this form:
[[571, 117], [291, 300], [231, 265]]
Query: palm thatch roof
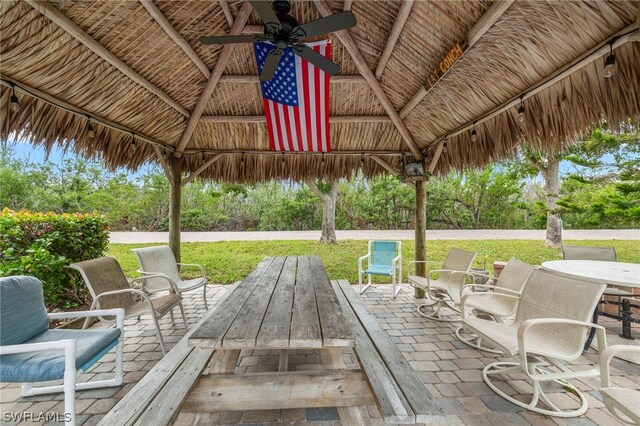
[[154, 93]]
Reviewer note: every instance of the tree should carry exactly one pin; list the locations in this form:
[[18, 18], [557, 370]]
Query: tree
[[548, 164], [327, 192]]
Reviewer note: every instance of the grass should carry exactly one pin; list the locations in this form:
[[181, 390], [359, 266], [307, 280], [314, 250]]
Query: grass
[[230, 261]]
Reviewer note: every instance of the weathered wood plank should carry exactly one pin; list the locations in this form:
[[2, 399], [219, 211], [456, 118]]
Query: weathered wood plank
[[391, 402], [423, 404], [245, 327], [332, 360], [335, 332], [305, 324], [127, 411], [283, 365], [168, 401], [279, 390], [274, 332], [210, 333], [224, 361]]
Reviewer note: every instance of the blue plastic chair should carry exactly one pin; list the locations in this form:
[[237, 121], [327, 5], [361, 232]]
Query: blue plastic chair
[[384, 258], [31, 352]]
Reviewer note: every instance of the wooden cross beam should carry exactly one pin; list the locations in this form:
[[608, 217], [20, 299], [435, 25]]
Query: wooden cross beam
[[221, 64], [363, 68], [262, 119], [201, 169], [166, 26], [340, 79], [70, 27], [401, 19], [487, 20]]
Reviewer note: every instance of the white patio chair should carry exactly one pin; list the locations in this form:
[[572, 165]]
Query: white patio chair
[[444, 291], [160, 260], [383, 258], [548, 331], [511, 281], [111, 289], [622, 402], [30, 352]]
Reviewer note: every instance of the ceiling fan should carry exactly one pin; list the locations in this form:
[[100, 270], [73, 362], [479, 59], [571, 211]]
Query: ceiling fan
[[283, 31]]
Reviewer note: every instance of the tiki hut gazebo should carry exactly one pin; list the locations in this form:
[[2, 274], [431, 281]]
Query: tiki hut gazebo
[[452, 85]]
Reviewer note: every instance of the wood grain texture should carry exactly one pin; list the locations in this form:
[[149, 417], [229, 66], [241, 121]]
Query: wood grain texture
[[424, 405], [305, 323], [129, 408], [335, 331], [210, 332], [245, 327], [389, 398], [332, 360], [279, 390], [274, 332]]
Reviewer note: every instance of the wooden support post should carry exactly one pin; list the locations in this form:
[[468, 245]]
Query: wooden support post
[[175, 166], [421, 233]]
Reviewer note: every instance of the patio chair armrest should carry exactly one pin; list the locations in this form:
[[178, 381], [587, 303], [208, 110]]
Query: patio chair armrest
[[466, 296], [414, 262], [473, 287], [360, 259], [532, 323], [66, 344], [605, 360], [116, 312], [193, 265], [396, 259], [172, 284]]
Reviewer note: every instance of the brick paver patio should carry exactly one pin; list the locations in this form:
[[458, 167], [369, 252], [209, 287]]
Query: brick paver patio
[[450, 370]]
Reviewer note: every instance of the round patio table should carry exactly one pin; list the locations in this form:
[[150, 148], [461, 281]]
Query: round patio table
[[616, 273]]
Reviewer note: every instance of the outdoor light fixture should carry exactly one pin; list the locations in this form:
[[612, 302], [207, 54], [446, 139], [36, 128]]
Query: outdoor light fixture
[[521, 116], [134, 144], [283, 158], [414, 169], [444, 145], [242, 159], [15, 106], [474, 134], [202, 156], [362, 159], [609, 64], [91, 133], [323, 157]]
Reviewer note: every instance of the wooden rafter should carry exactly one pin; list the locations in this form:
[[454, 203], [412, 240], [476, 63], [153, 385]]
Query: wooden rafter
[[363, 68], [261, 119], [627, 35], [401, 19], [346, 79], [166, 26], [76, 110], [201, 169], [388, 167], [347, 5], [221, 64], [163, 162], [487, 20], [70, 27], [436, 157], [227, 12]]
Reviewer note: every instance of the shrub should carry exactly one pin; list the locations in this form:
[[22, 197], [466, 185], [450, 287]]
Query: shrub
[[43, 244]]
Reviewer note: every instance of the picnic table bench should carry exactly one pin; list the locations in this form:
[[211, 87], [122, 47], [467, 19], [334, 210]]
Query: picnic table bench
[[285, 303]]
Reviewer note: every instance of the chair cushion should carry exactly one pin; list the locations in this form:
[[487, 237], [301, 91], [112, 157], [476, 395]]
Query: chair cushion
[[379, 270], [22, 311], [49, 365]]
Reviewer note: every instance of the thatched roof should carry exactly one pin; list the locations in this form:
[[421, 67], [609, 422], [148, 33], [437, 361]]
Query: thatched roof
[[137, 66]]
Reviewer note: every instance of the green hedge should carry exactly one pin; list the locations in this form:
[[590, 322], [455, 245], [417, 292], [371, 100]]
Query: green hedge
[[43, 244]]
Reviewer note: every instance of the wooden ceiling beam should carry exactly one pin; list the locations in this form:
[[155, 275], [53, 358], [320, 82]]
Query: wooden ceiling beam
[[218, 69], [366, 153], [385, 165], [166, 26], [76, 110], [485, 22], [349, 44], [398, 26], [347, 5], [201, 169], [71, 28], [262, 119], [224, 5], [346, 79]]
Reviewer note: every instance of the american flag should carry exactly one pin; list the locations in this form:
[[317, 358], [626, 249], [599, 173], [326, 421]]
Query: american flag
[[296, 100]]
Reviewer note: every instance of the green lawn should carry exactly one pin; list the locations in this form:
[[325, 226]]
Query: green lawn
[[227, 262]]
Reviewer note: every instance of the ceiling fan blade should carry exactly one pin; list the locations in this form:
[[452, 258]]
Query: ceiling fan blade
[[337, 22], [271, 64], [226, 39], [266, 13], [315, 58]]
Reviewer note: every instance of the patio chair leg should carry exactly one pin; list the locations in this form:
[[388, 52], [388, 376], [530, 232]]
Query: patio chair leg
[[69, 384], [204, 296], [184, 317], [162, 346], [474, 341], [173, 320], [363, 289]]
